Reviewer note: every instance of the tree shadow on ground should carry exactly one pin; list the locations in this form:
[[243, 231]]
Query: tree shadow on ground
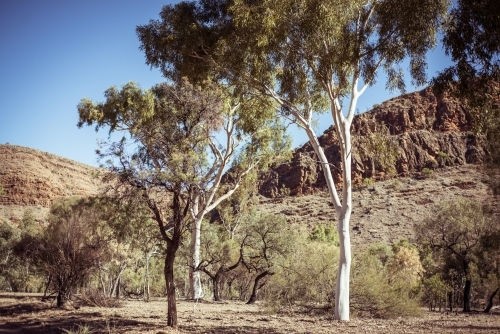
[[31, 307], [73, 322], [227, 329]]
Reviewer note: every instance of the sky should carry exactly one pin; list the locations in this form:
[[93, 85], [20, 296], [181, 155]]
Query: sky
[[53, 53]]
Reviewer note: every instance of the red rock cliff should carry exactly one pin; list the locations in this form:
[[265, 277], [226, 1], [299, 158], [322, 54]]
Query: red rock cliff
[[427, 132]]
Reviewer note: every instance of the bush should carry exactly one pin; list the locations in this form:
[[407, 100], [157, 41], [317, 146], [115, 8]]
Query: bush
[[427, 173], [376, 290], [306, 279], [434, 291]]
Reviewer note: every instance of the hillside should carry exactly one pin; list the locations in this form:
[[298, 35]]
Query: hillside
[[34, 179], [428, 132]]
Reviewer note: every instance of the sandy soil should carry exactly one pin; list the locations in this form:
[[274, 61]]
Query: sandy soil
[[27, 314]]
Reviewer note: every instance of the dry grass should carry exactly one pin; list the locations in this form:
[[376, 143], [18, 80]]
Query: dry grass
[[32, 316], [388, 210]]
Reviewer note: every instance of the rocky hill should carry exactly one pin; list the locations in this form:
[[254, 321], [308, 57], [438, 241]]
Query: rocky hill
[[34, 179], [426, 131]]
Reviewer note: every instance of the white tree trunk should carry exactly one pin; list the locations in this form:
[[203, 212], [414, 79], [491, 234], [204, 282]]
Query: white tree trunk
[[343, 273], [195, 287]]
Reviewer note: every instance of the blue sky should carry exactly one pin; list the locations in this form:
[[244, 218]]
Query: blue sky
[[55, 52]]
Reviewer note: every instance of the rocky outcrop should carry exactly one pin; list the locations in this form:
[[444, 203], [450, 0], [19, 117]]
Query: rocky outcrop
[[425, 131], [31, 178]]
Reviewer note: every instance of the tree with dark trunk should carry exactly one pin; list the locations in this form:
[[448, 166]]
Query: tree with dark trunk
[[179, 163], [257, 285], [69, 251], [457, 233]]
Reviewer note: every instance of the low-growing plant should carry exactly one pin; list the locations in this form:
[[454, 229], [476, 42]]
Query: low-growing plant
[[427, 173], [306, 279], [326, 233], [442, 158], [80, 329], [368, 182], [434, 291], [95, 298]]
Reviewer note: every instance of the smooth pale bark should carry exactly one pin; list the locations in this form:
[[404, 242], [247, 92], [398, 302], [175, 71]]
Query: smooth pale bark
[[195, 286]]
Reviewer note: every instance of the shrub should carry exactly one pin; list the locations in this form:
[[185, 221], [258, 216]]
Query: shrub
[[368, 182], [427, 173], [375, 288], [434, 291], [442, 158], [326, 233], [306, 279]]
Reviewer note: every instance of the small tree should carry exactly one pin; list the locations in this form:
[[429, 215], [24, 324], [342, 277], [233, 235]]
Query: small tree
[[455, 233], [68, 250], [221, 254], [266, 240], [178, 165]]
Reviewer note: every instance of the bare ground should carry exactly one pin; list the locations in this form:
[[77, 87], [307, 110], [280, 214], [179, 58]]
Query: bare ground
[[388, 210], [29, 315]]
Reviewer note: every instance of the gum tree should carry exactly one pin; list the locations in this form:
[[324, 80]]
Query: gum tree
[[177, 164], [308, 57]]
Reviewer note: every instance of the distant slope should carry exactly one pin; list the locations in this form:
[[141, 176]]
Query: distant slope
[[422, 125], [34, 179]]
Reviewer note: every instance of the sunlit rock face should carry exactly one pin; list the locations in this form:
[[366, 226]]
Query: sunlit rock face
[[428, 132]]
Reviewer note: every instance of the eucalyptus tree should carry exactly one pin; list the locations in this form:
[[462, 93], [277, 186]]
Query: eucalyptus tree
[[178, 162], [307, 57]]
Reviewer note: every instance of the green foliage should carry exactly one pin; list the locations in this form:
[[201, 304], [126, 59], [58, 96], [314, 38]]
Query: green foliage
[[326, 233], [435, 291], [381, 150], [378, 289], [442, 158], [368, 182], [470, 38], [457, 237], [427, 173], [69, 251], [306, 278]]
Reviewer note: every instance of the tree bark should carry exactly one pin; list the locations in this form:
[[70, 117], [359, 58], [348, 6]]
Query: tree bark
[[490, 301], [195, 287], [450, 300], [343, 273], [256, 287], [467, 287], [169, 279], [215, 281]]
